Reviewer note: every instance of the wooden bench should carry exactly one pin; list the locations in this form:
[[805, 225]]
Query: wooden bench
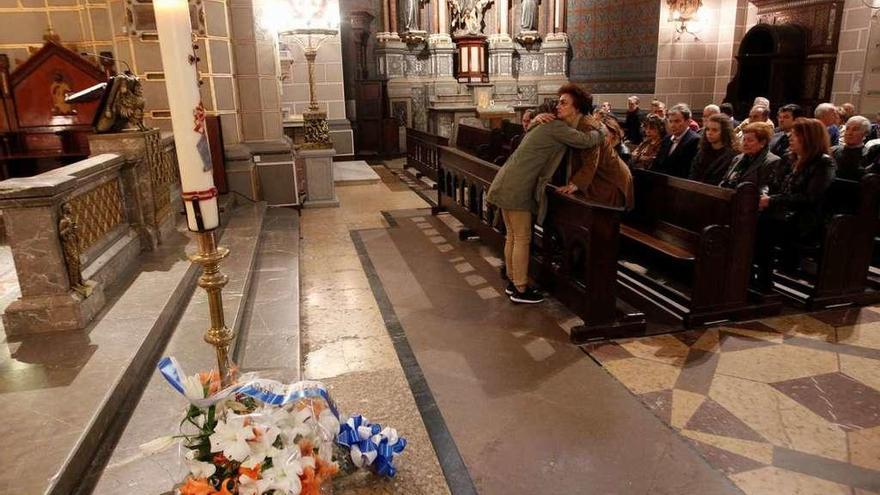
[[490, 145], [574, 258], [835, 271], [687, 250], [422, 152]]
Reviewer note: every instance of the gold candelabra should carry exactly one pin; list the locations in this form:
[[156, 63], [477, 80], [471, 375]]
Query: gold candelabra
[[213, 281], [317, 131]]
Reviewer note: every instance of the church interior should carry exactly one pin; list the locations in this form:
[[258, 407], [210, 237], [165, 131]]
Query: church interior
[[404, 243]]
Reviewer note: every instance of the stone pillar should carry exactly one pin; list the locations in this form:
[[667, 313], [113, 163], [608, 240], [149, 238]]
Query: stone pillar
[[503, 17], [555, 50], [320, 186], [145, 181]]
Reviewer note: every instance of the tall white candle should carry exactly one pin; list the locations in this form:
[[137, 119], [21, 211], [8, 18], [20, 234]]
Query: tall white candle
[[502, 16], [187, 114]]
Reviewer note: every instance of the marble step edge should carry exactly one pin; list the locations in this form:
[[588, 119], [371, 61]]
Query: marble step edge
[[97, 442]]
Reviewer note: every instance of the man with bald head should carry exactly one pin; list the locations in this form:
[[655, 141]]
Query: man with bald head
[[827, 113], [708, 111]]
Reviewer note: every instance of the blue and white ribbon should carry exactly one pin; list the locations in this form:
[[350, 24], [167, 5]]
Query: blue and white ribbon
[[371, 446], [266, 391]]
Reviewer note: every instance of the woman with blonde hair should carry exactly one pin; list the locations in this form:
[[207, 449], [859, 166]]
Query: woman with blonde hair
[[795, 213], [717, 149]]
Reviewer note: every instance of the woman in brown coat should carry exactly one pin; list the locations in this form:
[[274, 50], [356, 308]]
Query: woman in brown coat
[[599, 173]]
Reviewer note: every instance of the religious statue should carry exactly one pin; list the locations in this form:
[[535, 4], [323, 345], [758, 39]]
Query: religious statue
[[468, 14], [411, 14], [529, 18], [68, 231]]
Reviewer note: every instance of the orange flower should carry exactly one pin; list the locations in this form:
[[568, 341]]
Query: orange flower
[[252, 473], [197, 487], [311, 485], [210, 380], [306, 448], [313, 478]]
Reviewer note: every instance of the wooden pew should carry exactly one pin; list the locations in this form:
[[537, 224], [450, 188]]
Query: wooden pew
[[687, 250], [491, 145], [574, 258], [422, 151], [835, 272]]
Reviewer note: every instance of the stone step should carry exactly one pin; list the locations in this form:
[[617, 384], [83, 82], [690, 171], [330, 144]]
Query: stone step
[[413, 172], [267, 331], [68, 392]]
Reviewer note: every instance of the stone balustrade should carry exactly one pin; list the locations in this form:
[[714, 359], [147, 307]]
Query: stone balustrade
[[74, 229]]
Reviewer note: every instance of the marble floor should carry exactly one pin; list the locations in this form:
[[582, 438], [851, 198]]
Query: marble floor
[[410, 327]]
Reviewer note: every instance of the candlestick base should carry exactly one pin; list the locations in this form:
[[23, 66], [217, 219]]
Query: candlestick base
[[316, 130], [213, 281]]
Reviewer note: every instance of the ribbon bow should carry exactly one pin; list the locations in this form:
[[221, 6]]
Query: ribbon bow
[[371, 445]]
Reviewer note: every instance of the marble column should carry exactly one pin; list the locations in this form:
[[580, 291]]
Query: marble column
[[501, 54]]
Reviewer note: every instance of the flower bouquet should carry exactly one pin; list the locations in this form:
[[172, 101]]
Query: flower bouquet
[[261, 436]]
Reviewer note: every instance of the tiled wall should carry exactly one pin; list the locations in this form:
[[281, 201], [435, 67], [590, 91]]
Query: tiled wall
[[24, 22], [257, 73], [697, 72], [329, 90], [852, 77]]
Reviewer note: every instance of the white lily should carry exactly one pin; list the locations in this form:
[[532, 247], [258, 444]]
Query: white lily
[[158, 445], [329, 424], [261, 446], [250, 486], [231, 437], [199, 469], [284, 474], [193, 388]]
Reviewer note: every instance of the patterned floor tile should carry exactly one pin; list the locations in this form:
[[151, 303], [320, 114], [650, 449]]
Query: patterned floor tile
[[802, 326], [862, 335], [776, 481], [724, 460], [847, 316], [864, 448], [662, 348], [698, 370], [660, 402], [779, 419], [777, 363], [837, 398], [712, 418], [607, 351], [864, 370], [760, 452], [684, 404], [641, 375], [741, 339]]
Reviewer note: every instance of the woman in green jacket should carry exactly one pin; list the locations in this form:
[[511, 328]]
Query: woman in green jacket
[[518, 188]]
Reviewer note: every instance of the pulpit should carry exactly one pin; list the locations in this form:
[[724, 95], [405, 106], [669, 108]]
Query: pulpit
[[39, 130]]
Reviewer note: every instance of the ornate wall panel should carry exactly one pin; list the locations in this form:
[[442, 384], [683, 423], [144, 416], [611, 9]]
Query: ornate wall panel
[[614, 44]]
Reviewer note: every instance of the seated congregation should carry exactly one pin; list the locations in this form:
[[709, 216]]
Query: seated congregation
[[659, 217]]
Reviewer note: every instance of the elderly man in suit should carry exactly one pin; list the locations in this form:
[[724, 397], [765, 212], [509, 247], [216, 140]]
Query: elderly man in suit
[[679, 147]]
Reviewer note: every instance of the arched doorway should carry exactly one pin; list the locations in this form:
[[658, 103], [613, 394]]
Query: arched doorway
[[770, 63]]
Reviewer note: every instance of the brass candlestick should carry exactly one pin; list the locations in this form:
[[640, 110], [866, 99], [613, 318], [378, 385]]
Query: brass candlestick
[[213, 281]]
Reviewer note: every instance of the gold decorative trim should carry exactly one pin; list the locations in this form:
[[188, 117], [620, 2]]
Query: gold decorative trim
[[97, 211]]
